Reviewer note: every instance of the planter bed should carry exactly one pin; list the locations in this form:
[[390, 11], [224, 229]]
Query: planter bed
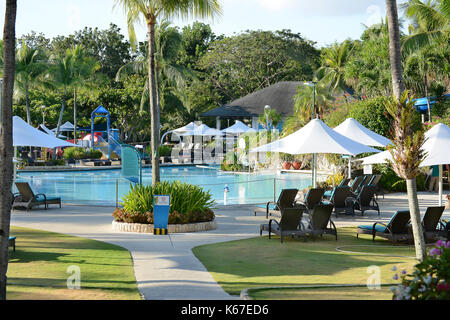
[[172, 228]]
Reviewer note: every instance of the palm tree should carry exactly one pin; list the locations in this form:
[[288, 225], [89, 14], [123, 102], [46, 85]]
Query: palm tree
[[9, 41], [303, 101], [151, 10], [430, 21], [29, 66], [406, 143], [334, 60]]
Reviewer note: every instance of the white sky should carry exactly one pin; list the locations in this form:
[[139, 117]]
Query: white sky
[[323, 21]]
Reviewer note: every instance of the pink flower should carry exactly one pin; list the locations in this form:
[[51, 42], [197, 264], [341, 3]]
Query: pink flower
[[435, 252], [443, 286]]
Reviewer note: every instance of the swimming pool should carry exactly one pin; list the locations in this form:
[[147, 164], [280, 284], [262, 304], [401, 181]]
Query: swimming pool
[[99, 186]]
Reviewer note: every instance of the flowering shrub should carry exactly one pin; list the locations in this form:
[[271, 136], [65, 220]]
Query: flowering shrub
[[430, 279]]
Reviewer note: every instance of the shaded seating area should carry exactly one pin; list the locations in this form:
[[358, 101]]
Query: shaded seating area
[[320, 222], [288, 225], [286, 199], [342, 200], [396, 229], [28, 199]]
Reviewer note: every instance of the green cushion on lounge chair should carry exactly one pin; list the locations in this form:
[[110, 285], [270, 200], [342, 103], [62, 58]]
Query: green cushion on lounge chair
[[12, 238], [370, 228], [328, 193]]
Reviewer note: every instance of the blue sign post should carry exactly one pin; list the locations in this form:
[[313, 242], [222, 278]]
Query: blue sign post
[[161, 206]]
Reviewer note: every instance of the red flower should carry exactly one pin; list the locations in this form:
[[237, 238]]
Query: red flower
[[443, 286]]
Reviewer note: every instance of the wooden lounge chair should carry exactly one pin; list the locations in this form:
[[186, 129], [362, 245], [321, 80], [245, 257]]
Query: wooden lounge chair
[[312, 198], [12, 243], [366, 200], [285, 200], [395, 230], [27, 199], [433, 227], [320, 222], [289, 224], [342, 200]]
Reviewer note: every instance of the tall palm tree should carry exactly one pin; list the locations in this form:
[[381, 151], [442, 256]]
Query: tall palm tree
[[9, 39], [29, 66], [151, 10], [407, 143], [303, 101]]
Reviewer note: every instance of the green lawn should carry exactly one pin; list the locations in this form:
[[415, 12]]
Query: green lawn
[[38, 268], [260, 262]]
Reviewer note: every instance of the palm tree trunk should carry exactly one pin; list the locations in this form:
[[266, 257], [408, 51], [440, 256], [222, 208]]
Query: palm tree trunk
[[6, 149], [154, 112], [61, 112], [27, 103], [398, 85], [75, 116], [419, 240]]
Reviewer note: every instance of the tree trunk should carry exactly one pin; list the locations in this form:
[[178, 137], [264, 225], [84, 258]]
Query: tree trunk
[[27, 103], [398, 85], [419, 240], [75, 116], [61, 112], [6, 149], [154, 112]]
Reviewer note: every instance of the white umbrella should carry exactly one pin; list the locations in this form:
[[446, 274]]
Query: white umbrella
[[65, 127], [187, 128], [203, 130], [238, 128], [50, 132], [356, 131], [315, 137], [437, 147], [26, 135]]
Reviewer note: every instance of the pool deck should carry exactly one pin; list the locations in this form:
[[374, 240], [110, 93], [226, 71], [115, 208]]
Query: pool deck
[[165, 267]]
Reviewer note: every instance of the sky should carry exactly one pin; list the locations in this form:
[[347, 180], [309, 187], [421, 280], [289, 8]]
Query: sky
[[322, 21]]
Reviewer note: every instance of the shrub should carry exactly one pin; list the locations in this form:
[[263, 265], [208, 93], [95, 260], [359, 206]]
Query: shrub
[[94, 154], [390, 181], [430, 279], [188, 203]]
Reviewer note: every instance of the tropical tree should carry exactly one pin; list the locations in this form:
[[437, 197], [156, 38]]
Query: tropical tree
[[151, 10], [30, 64], [430, 21], [334, 59], [6, 153], [304, 99], [406, 149]]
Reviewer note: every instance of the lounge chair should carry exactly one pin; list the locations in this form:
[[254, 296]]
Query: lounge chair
[[356, 183], [285, 200], [366, 200], [289, 224], [433, 227], [342, 200], [12, 243], [28, 199], [313, 197], [344, 183], [320, 222], [366, 180], [396, 229]]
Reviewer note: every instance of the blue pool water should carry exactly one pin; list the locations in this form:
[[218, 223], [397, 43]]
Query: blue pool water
[[99, 186]]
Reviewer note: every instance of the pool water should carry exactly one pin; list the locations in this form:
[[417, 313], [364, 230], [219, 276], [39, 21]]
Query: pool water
[[99, 186]]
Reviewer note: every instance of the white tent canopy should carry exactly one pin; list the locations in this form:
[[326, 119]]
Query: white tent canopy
[[65, 127], [437, 147], [238, 128], [178, 132], [27, 136], [357, 132], [315, 137], [203, 130], [50, 132]]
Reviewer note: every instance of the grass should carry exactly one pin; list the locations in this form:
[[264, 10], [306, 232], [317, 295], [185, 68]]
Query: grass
[[261, 262], [38, 268]]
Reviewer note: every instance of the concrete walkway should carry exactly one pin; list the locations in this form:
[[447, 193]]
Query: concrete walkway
[[165, 267]]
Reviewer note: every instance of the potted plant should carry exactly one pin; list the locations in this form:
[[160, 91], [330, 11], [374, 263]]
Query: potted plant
[[286, 160], [296, 164]]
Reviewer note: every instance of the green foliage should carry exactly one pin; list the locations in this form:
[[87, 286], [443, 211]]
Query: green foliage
[[430, 279], [75, 153], [188, 203], [338, 177], [391, 182]]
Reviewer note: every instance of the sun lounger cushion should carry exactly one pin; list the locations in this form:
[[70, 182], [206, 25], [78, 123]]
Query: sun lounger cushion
[[263, 206], [12, 238], [370, 228]]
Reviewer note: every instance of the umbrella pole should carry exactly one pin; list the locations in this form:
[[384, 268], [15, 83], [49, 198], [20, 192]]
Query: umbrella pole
[[349, 167], [441, 184], [313, 170]]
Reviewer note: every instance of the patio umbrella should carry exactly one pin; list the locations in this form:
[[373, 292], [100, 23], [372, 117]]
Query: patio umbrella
[[187, 128], [315, 137], [66, 127], [203, 130], [356, 131], [238, 128], [437, 147], [27, 136]]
